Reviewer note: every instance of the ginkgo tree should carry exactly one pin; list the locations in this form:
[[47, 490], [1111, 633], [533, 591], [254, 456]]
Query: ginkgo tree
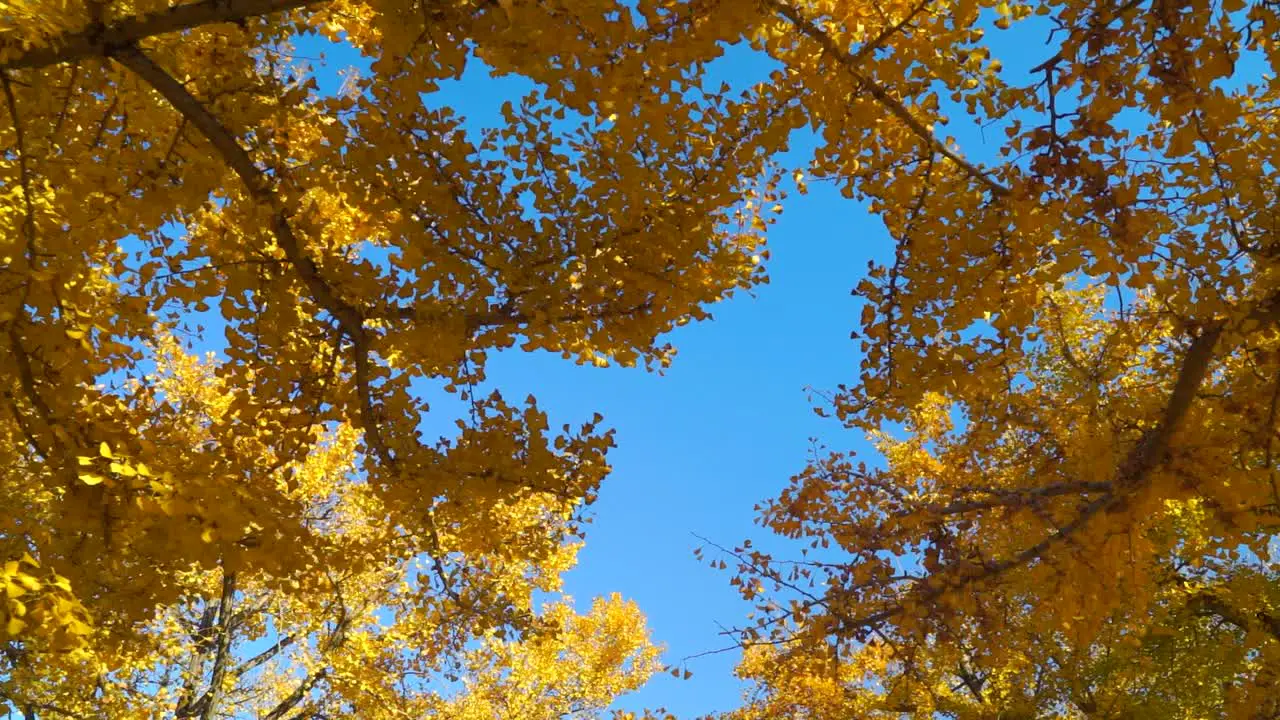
[[1166, 615], [172, 170], [1077, 332], [366, 630], [1070, 366]]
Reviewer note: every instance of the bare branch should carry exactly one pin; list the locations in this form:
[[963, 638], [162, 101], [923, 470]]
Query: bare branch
[[262, 657]]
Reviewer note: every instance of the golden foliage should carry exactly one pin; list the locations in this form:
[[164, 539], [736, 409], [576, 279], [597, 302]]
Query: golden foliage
[[365, 624], [1070, 367], [167, 165], [1078, 337]]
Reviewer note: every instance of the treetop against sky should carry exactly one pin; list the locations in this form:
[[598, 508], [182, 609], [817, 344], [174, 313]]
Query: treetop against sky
[[325, 329]]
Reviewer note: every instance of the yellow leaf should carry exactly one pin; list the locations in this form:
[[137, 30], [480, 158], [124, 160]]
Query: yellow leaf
[[105, 450], [14, 626], [91, 478]]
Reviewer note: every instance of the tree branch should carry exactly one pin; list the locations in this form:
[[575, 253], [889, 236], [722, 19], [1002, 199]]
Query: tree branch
[[255, 180], [880, 93], [298, 695], [1208, 603], [1018, 497], [98, 41], [201, 636], [216, 629], [265, 655], [1155, 442], [209, 703], [24, 173], [262, 190], [1131, 474], [1146, 454]]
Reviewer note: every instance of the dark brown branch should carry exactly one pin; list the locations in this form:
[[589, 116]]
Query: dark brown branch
[[27, 379], [255, 180], [26, 374], [66, 102], [24, 173], [506, 316], [971, 682], [1133, 471], [209, 703], [215, 633], [1131, 474], [261, 189], [202, 636], [298, 695], [50, 707], [1155, 442], [1019, 497], [98, 41], [265, 655], [888, 32], [1208, 603]]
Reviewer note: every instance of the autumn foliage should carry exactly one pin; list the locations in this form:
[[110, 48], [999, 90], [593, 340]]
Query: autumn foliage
[[1069, 365], [268, 532], [1070, 369]]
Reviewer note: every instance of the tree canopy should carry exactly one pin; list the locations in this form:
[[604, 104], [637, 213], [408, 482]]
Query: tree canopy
[[171, 173], [361, 629], [1069, 364], [1070, 368]]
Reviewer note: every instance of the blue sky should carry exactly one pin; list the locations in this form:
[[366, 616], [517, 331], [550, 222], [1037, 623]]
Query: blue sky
[[722, 430]]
